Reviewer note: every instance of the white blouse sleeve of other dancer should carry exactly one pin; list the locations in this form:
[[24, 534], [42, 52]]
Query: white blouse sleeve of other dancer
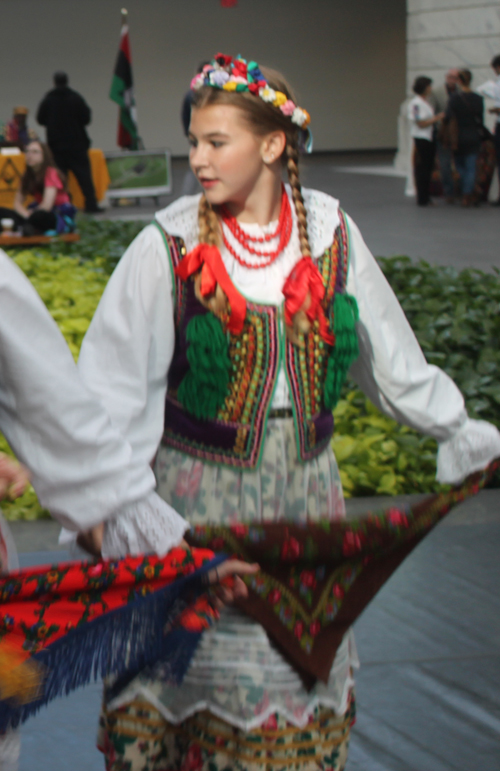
[[82, 469], [393, 372], [124, 362]]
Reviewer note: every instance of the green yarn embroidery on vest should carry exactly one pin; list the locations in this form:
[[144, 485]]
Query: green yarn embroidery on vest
[[204, 388], [345, 350]]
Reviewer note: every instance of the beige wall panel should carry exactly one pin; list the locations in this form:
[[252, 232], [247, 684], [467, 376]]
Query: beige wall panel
[[471, 53], [420, 6], [453, 24], [346, 60], [452, 33]]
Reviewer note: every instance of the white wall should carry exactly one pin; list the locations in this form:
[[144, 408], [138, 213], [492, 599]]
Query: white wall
[[345, 59], [452, 33]]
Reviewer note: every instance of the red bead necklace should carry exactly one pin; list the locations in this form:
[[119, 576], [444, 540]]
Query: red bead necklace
[[283, 231]]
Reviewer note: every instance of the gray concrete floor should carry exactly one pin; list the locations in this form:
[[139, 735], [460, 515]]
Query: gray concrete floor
[[429, 687]]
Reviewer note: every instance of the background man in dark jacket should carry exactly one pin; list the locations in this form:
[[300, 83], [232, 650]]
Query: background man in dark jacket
[[65, 114], [467, 109]]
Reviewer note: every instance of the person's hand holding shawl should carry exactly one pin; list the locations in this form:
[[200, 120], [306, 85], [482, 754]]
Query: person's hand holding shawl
[[227, 576]]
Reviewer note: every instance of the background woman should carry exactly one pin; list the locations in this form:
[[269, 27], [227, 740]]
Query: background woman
[[467, 110], [42, 181], [219, 348], [423, 121]]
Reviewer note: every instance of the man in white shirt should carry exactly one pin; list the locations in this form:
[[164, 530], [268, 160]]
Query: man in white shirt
[[495, 63], [491, 89]]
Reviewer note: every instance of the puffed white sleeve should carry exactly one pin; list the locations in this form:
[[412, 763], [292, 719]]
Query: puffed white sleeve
[[124, 361], [393, 372], [82, 469]]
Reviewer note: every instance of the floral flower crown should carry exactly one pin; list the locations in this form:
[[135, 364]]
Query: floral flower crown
[[236, 74]]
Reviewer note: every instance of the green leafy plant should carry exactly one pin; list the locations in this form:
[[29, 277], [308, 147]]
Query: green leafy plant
[[104, 241], [71, 290], [376, 455], [456, 318]]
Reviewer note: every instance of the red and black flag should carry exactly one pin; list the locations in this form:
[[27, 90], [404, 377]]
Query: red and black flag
[[122, 92]]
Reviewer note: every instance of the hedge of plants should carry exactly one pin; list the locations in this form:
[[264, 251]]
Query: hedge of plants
[[455, 316]]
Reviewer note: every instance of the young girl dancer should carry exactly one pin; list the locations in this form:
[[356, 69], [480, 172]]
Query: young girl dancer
[[219, 349]]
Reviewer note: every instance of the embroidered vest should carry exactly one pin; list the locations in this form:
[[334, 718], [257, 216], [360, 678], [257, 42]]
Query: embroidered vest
[[235, 436]]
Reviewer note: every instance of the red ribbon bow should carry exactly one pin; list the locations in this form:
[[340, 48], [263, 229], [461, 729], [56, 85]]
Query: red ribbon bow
[[305, 282], [213, 272]]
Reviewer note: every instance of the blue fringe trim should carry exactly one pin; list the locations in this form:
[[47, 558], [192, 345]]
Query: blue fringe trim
[[120, 644]]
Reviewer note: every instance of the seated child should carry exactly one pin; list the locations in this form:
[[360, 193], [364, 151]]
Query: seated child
[[52, 209]]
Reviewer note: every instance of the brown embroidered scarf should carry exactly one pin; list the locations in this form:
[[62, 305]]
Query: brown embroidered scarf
[[317, 578]]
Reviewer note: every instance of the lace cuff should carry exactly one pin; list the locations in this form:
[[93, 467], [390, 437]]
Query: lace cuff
[[148, 525], [471, 448]]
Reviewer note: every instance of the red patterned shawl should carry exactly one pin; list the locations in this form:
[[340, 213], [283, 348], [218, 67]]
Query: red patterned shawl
[[63, 625]]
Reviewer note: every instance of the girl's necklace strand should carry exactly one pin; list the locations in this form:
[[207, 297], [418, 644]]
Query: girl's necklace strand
[[284, 230], [245, 238]]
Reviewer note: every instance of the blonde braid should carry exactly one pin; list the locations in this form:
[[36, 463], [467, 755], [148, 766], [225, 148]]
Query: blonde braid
[[208, 224], [293, 177]]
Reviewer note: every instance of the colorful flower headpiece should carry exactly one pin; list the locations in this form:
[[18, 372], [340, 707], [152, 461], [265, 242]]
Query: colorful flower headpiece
[[237, 74]]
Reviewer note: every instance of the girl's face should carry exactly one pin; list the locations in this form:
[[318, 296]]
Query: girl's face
[[34, 154], [226, 156]]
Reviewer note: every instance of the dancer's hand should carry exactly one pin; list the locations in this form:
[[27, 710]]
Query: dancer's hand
[[233, 588], [14, 478], [91, 540]]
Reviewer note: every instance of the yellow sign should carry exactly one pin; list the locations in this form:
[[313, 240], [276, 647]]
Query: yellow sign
[[11, 170]]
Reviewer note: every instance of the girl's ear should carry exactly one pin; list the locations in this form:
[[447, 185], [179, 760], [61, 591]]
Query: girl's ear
[[273, 146]]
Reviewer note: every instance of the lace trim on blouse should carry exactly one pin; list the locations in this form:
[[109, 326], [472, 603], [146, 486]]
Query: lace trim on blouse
[[470, 449], [181, 219], [149, 525]]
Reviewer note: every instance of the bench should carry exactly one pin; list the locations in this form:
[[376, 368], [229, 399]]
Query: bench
[[37, 240]]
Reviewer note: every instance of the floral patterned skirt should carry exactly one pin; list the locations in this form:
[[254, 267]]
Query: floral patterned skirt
[[281, 488], [138, 738]]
